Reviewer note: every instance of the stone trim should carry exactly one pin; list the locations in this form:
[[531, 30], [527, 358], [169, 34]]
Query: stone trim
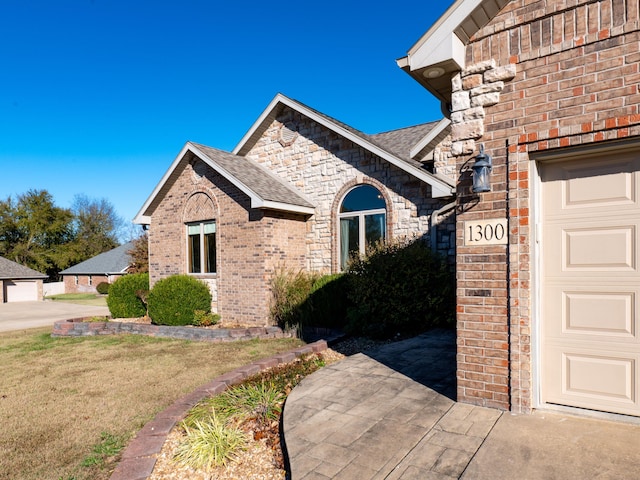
[[476, 87], [335, 207]]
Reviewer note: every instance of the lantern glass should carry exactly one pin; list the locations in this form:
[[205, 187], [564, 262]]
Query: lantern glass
[[481, 179]]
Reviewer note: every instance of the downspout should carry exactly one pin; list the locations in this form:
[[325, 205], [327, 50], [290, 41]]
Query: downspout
[[434, 222], [509, 274]]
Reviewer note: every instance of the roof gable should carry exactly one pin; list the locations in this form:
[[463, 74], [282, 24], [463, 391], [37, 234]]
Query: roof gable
[[12, 270], [265, 190], [114, 261], [390, 146]]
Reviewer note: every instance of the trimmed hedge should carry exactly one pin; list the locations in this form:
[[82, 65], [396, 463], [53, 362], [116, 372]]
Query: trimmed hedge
[[124, 296], [174, 300], [102, 288]]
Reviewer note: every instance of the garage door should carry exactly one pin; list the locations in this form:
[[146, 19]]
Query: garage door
[[21, 291], [591, 284]]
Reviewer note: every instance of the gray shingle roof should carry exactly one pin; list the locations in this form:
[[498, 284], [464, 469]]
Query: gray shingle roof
[[113, 261], [255, 177], [401, 141], [13, 270]]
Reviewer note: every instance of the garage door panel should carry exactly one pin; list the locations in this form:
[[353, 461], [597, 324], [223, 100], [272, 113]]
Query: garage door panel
[[599, 185], [599, 313], [602, 247], [603, 380], [590, 284], [587, 311]]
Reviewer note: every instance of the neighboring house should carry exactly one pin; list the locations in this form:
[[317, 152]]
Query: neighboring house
[[548, 315], [105, 267], [300, 191], [19, 283]]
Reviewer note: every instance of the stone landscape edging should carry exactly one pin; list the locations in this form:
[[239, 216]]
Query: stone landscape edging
[[77, 327], [138, 459]]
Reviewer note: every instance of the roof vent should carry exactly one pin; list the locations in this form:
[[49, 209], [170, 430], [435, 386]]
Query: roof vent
[[287, 135]]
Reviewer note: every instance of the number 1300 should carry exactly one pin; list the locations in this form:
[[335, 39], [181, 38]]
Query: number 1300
[[487, 232]]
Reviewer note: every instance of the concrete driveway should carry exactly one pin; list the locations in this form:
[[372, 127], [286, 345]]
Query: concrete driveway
[[24, 315]]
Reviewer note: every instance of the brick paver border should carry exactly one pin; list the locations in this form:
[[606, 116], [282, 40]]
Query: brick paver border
[[138, 459]]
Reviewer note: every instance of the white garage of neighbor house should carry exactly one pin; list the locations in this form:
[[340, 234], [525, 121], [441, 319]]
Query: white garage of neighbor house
[[19, 283]]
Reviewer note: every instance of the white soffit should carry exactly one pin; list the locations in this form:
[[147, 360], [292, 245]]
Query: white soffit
[[446, 39]]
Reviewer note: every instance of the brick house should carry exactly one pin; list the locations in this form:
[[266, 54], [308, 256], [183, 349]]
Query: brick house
[[547, 316], [107, 267], [300, 191]]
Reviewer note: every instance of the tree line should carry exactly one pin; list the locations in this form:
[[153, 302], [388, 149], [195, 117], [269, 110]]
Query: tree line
[[40, 235]]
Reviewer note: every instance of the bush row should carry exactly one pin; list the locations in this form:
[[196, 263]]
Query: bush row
[[397, 289], [176, 300]]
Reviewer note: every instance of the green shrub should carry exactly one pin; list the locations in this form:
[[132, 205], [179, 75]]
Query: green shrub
[[302, 299], [102, 288], [402, 288], [174, 300], [289, 290], [327, 303], [123, 300], [202, 318]]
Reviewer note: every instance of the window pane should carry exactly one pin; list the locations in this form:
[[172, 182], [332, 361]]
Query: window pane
[[364, 197], [349, 234], [193, 229], [374, 228], [209, 228], [194, 253], [210, 252]]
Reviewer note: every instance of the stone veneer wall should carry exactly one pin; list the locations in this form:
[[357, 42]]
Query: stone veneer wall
[[324, 166], [576, 83]]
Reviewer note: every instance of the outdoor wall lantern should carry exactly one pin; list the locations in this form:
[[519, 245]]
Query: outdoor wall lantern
[[481, 169]]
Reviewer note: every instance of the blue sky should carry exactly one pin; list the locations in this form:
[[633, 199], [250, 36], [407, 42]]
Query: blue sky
[[97, 97]]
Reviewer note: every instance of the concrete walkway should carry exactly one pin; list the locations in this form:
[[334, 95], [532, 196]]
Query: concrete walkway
[[391, 415]]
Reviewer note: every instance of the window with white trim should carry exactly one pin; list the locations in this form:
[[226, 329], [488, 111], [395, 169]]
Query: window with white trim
[[201, 247], [363, 221]]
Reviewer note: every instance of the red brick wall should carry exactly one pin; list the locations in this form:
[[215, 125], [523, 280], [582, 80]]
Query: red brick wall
[[576, 84], [83, 286], [249, 243]]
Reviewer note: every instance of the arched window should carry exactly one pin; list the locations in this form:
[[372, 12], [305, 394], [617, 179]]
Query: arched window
[[363, 221]]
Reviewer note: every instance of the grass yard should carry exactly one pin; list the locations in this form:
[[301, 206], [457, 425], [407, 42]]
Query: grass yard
[[81, 299], [68, 405]]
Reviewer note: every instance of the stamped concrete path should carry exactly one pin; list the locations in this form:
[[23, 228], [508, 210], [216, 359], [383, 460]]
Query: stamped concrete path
[[391, 415]]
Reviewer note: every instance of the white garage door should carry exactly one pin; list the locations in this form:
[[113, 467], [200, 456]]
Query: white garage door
[[21, 291], [591, 284]]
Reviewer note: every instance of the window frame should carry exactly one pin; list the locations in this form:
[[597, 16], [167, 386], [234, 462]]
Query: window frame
[[361, 216], [202, 248]]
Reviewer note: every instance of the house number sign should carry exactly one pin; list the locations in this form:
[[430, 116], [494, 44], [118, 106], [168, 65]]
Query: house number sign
[[486, 232]]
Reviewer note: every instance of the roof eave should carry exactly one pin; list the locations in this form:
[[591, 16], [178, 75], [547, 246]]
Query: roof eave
[[433, 137], [440, 188], [286, 207], [440, 52], [256, 200], [142, 217]]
